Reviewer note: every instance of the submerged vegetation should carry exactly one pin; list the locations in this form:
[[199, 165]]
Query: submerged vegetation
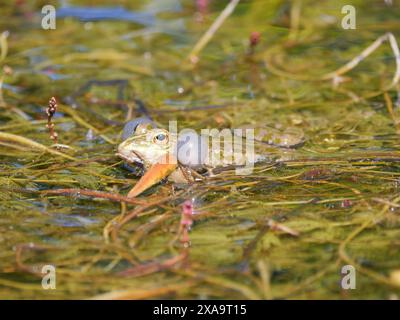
[[284, 231]]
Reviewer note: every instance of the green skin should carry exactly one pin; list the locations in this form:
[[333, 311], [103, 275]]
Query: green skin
[[146, 148]]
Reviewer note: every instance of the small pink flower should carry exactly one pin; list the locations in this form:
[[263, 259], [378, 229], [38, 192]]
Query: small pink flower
[[254, 38], [187, 208], [346, 203]]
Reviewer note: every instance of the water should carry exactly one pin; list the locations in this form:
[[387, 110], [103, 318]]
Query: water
[[338, 190]]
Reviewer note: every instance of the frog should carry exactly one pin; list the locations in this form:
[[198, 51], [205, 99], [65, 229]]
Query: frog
[[153, 150], [163, 155], [181, 159]]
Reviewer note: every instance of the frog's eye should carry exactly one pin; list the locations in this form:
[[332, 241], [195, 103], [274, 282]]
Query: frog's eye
[[161, 138]]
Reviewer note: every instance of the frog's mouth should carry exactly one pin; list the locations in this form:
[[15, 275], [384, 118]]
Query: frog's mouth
[[133, 157]]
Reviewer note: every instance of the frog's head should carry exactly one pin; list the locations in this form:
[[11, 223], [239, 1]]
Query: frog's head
[[147, 145]]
